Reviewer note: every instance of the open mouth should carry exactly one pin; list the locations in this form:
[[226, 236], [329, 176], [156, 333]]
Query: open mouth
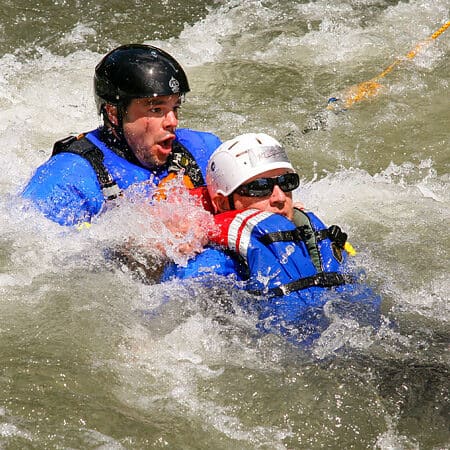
[[166, 143]]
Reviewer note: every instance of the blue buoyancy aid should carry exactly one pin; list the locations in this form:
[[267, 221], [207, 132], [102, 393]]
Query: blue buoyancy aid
[[294, 269], [68, 190], [279, 261]]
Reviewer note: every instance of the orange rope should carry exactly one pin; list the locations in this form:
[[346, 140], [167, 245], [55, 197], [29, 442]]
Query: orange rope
[[370, 88]]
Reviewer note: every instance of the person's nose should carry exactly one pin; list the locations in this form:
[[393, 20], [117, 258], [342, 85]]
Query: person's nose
[[170, 120], [278, 195]]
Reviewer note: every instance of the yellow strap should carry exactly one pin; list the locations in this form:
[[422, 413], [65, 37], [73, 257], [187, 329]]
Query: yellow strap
[[84, 226], [372, 87], [349, 249]]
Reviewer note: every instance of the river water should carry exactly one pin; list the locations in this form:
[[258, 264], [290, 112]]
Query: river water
[[91, 357]]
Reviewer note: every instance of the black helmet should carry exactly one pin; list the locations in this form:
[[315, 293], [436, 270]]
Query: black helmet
[[136, 71]]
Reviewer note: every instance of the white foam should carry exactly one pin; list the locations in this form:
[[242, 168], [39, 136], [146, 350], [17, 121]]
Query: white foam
[[394, 215], [8, 430], [44, 99], [182, 359]]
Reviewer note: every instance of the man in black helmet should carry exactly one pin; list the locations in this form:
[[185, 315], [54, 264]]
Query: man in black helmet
[[138, 91]]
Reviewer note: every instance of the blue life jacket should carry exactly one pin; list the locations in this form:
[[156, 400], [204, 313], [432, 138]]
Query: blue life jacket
[[279, 261], [74, 184], [293, 268]]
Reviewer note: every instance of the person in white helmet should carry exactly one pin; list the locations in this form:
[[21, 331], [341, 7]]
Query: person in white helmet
[[287, 257], [252, 171]]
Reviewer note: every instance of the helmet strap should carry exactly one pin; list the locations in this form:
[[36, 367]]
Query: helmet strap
[[114, 134], [120, 113], [117, 128], [231, 201]]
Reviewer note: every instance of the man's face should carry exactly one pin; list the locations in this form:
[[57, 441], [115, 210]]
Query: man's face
[[149, 128], [277, 202]]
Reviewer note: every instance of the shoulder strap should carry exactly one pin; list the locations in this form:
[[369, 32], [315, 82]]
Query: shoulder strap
[[81, 146], [334, 232], [282, 236], [181, 159], [308, 236], [312, 236]]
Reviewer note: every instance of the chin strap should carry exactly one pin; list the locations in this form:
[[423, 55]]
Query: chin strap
[[231, 202]]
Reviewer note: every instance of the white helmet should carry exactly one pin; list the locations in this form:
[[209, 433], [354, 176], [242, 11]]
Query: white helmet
[[239, 159]]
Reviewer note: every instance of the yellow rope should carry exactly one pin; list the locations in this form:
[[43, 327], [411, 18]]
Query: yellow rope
[[370, 88]]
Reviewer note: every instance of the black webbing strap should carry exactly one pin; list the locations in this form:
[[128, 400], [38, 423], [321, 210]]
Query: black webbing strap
[[323, 279], [83, 147], [303, 233], [321, 234], [334, 233], [281, 236], [182, 159]]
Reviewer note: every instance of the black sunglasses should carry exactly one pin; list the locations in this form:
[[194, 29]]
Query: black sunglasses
[[262, 187]]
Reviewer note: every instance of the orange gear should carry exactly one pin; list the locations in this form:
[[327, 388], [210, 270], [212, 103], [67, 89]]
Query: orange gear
[[161, 194], [200, 192]]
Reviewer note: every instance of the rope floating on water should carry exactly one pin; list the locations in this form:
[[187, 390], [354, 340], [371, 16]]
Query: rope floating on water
[[366, 89], [371, 88]]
